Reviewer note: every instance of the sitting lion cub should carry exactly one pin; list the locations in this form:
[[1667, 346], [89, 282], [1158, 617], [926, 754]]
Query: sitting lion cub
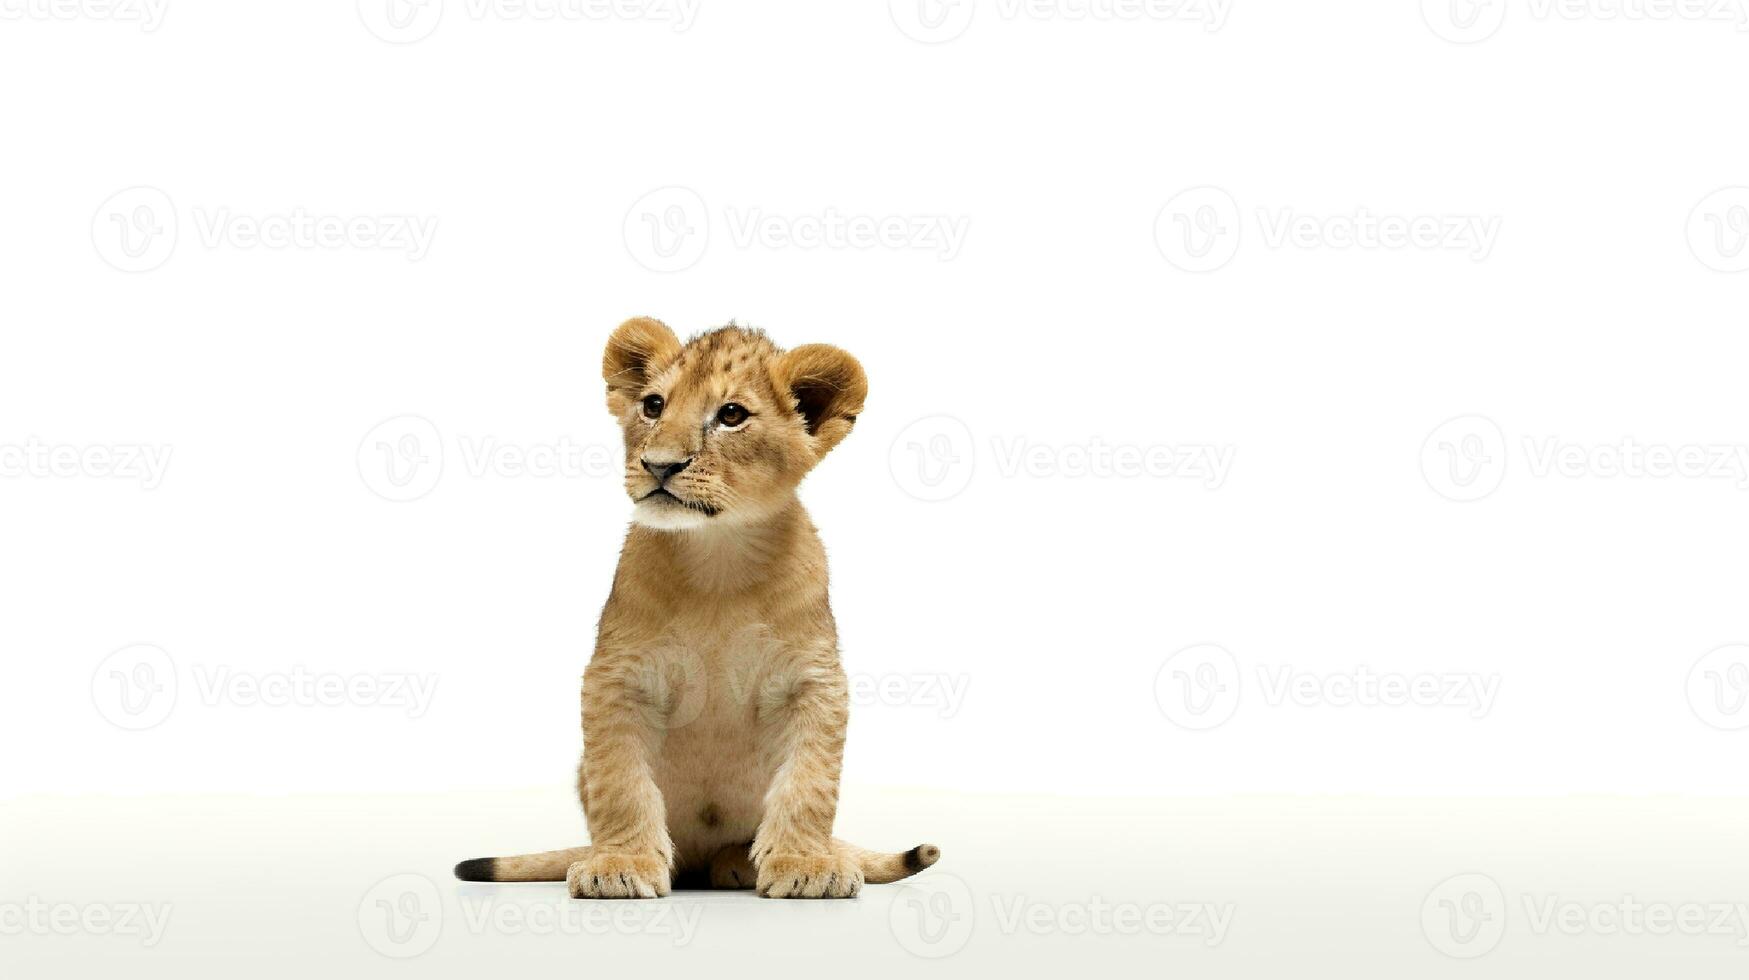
[[714, 708]]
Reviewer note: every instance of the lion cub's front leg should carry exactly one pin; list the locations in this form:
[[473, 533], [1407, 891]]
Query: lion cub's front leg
[[631, 855], [803, 720]]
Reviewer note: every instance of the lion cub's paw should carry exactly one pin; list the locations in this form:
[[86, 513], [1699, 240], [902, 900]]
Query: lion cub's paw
[[618, 876], [809, 876]]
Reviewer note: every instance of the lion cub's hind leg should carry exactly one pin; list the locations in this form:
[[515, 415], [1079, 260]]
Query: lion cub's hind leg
[[732, 867]]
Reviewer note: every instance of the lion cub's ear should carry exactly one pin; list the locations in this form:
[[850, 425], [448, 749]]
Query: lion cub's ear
[[636, 351], [829, 388]]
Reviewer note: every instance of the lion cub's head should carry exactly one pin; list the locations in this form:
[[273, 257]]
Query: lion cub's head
[[720, 430]]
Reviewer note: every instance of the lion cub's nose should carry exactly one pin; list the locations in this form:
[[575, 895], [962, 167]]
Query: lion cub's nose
[[662, 471]]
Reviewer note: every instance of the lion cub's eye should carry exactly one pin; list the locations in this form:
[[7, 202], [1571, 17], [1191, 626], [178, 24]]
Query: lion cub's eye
[[731, 415], [653, 406]]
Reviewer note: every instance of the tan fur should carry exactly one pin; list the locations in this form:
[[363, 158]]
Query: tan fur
[[714, 708]]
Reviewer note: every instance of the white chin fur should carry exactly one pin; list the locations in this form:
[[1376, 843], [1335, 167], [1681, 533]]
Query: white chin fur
[[667, 517]]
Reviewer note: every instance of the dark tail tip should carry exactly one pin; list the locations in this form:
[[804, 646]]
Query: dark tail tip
[[476, 869], [921, 856]]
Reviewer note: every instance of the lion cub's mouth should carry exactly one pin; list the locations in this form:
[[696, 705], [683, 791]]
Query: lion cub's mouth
[[663, 495]]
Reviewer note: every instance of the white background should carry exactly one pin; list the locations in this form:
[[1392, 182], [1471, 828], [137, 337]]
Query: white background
[[1065, 319], [1607, 308]]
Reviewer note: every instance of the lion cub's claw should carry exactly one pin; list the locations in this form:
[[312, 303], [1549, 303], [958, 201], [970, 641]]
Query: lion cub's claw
[[809, 876], [618, 876]]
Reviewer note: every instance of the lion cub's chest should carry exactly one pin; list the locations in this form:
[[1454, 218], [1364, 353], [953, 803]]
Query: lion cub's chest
[[711, 690]]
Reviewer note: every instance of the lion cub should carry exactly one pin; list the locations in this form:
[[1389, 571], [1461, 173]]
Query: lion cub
[[714, 708]]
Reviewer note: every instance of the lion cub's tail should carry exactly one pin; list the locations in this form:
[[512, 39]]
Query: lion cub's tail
[[877, 868], [545, 866], [881, 869]]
